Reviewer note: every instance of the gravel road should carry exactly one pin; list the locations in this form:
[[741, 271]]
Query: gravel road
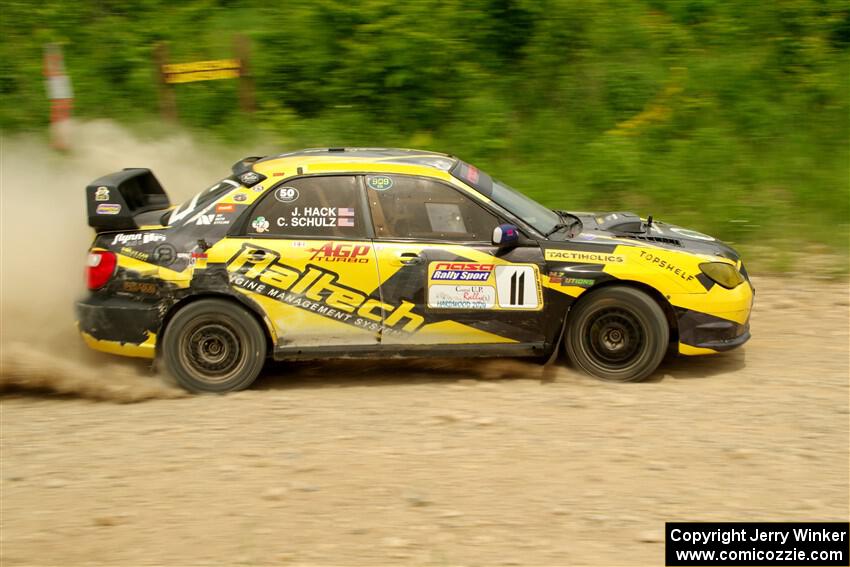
[[439, 463]]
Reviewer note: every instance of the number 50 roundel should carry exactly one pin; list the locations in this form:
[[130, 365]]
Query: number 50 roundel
[[517, 287]]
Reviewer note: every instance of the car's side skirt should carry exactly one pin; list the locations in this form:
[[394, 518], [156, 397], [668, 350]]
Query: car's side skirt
[[411, 351]]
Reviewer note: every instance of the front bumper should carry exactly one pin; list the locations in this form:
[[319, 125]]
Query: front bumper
[[703, 331], [119, 326], [717, 321]]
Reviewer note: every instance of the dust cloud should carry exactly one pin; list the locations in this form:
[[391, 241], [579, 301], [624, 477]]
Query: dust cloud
[[34, 369], [45, 239]]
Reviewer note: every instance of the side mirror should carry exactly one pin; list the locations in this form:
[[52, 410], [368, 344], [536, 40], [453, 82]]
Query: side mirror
[[505, 235]]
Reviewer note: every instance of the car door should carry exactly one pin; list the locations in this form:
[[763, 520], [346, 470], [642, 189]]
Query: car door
[[442, 279], [305, 256]]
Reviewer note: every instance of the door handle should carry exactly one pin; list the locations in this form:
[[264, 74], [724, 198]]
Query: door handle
[[410, 258], [257, 255]]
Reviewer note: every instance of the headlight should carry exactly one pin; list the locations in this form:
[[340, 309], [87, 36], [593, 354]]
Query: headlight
[[724, 274]]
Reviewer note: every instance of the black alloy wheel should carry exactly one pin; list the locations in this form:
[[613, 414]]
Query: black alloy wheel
[[617, 333], [214, 345]]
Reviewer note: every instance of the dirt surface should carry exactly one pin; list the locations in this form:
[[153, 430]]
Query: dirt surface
[[382, 463], [441, 463]]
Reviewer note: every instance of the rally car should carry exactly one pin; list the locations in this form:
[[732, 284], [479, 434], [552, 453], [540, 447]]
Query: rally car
[[348, 252]]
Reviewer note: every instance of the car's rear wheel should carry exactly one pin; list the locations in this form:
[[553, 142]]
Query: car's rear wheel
[[213, 345], [617, 333]]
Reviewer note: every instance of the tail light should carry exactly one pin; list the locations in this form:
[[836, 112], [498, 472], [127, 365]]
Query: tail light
[[101, 266]]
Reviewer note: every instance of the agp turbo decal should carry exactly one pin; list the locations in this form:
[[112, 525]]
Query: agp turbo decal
[[329, 252], [465, 285]]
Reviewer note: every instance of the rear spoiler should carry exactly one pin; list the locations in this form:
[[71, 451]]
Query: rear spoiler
[[114, 200]]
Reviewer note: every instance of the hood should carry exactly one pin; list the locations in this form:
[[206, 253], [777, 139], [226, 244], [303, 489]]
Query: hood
[[632, 228]]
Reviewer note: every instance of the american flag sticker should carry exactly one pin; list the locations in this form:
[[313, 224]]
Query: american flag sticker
[[345, 221], [346, 212]]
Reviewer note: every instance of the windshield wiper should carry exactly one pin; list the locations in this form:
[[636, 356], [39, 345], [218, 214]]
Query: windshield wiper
[[557, 227], [562, 225]]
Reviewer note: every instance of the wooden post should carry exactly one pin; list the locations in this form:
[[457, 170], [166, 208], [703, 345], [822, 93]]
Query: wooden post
[[167, 101], [60, 94], [242, 49]]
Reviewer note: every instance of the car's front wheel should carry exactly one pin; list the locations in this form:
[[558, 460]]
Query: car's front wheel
[[617, 333], [213, 345]]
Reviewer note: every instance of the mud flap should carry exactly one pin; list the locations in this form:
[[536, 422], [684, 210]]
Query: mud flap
[[549, 368]]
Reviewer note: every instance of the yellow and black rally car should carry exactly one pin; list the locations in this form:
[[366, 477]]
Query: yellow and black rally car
[[345, 252]]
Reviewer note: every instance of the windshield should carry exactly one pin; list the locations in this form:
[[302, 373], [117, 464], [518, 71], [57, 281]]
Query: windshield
[[200, 200], [530, 211]]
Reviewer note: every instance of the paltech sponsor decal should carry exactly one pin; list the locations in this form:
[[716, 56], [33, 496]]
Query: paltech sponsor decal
[[585, 257], [317, 289]]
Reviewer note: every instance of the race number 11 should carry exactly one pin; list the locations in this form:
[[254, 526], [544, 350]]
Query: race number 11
[[516, 287]]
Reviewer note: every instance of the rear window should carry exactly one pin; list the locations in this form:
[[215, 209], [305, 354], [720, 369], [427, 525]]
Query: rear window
[[197, 203]]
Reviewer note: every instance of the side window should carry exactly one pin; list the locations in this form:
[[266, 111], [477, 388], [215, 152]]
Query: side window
[[417, 207], [326, 207]]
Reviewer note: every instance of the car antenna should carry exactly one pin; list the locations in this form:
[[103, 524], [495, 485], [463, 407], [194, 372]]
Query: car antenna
[[648, 223]]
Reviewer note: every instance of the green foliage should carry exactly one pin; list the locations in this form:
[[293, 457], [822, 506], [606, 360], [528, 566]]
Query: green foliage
[[731, 117]]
